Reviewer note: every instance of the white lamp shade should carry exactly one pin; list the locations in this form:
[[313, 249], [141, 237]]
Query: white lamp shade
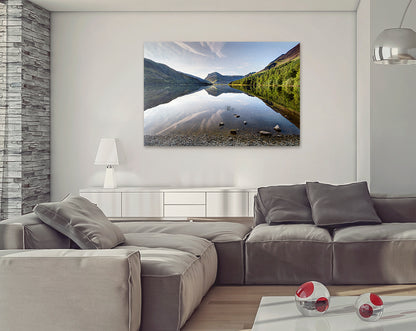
[[107, 152]]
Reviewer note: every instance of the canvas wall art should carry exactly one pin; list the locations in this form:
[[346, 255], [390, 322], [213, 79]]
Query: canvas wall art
[[221, 94]]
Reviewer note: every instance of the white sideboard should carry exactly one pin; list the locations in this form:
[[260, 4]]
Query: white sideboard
[[175, 203]]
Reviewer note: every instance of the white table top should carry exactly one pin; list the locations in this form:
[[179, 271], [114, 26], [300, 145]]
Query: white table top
[[280, 313]]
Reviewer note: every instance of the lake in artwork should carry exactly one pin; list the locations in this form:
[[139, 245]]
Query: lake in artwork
[[222, 94]]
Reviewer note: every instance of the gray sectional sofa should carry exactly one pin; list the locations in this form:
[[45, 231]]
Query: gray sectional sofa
[[178, 263], [359, 254], [163, 269]]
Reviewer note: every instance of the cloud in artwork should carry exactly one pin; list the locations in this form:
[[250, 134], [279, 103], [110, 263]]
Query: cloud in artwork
[[188, 48], [207, 49], [215, 48]]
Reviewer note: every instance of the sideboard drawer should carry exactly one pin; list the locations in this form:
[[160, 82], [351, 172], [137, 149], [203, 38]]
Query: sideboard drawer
[[142, 204], [184, 210], [184, 198]]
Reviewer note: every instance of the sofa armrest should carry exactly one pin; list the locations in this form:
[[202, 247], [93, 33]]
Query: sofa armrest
[[71, 290], [29, 232], [395, 209]]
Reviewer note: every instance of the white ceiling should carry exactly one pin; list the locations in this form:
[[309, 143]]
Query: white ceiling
[[198, 5]]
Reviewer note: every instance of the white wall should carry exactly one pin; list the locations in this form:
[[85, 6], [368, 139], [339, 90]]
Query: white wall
[[393, 114], [97, 70], [364, 91]]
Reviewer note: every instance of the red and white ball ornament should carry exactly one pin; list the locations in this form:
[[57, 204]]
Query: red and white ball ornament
[[369, 307], [312, 299]]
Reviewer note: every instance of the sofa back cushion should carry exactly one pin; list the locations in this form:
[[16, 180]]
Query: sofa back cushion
[[395, 209], [81, 221], [29, 232], [258, 218], [340, 205], [284, 204]]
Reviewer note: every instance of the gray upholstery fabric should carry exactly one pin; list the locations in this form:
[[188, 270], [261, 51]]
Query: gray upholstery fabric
[[227, 237], [259, 217], [288, 254], [337, 205], [369, 233], [186, 243], [81, 221], [375, 254], [395, 209], [174, 280], [284, 204], [29, 232], [71, 290]]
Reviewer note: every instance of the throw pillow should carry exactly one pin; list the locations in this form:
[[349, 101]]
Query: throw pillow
[[285, 204], [81, 221], [337, 205]]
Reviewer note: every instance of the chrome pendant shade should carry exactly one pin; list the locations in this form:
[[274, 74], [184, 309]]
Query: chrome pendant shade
[[396, 46]]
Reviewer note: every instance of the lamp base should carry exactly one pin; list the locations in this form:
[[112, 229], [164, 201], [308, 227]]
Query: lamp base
[[110, 179]]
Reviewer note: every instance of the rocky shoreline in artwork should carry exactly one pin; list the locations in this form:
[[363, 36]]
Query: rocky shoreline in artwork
[[246, 139]]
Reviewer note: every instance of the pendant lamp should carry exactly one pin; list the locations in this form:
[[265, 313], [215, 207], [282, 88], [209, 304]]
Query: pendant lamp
[[396, 45]]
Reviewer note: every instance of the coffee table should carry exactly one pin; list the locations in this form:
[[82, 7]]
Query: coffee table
[[280, 313]]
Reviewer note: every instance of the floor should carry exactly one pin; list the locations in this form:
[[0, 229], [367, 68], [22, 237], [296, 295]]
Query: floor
[[233, 308]]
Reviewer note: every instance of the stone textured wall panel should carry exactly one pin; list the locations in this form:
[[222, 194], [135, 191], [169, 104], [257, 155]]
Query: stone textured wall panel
[[24, 107]]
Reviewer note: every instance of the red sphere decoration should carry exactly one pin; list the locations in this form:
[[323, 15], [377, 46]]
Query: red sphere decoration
[[322, 304], [365, 310]]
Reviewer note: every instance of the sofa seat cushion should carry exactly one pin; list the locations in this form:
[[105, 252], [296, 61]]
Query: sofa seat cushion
[[215, 232], [289, 232], [191, 244], [228, 239], [174, 281], [381, 232], [375, 254], [288, 254]]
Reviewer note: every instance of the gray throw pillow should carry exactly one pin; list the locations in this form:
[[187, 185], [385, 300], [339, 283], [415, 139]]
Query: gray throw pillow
[[284, 204], [81, 221], [338, 205]]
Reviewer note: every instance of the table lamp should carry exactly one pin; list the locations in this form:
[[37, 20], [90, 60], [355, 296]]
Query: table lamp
[[107, 155]]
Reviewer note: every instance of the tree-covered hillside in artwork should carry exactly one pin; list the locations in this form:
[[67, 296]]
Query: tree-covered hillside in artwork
[[279, 81]]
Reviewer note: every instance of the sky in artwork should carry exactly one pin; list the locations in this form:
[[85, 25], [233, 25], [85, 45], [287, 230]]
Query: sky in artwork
[[227, 58]]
